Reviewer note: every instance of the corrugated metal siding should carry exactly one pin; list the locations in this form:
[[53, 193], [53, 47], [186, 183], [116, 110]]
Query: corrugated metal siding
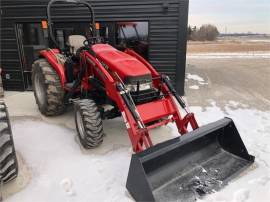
[[167, 30]]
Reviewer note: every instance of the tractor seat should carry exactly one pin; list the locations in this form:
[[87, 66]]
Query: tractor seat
[[75, 42]]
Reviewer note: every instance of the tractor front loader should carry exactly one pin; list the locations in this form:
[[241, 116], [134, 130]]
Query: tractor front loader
[[92, 75]]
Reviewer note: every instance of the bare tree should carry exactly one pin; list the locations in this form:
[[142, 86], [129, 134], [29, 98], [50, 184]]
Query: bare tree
[[207, 32]]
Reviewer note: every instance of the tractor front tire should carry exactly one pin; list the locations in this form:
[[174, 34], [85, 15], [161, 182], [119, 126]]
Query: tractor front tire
[[88, 123], [8, 159], [48, 91]]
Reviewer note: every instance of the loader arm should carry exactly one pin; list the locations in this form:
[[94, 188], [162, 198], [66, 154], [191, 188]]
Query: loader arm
[[148, 114]]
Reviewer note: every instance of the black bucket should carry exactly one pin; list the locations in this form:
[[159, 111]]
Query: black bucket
[[190, 166]]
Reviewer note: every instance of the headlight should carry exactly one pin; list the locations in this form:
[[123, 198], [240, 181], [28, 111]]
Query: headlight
[[142, 87]]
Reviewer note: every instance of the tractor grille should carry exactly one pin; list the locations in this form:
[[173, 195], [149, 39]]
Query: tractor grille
[[145, 96]]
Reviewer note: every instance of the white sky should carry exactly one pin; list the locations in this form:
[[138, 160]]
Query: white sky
[[235, 15]]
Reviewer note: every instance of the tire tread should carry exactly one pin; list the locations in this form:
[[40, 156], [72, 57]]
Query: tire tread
[[54, 91], [8, 159], [92, 123]]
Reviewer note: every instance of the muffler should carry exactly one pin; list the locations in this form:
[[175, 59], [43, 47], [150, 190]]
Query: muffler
[[190, 166]]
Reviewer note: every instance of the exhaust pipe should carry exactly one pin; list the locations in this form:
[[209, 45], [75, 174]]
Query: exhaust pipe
[[188, 167]]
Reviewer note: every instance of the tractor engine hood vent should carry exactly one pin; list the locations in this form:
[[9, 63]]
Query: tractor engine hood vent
[[133, 80]]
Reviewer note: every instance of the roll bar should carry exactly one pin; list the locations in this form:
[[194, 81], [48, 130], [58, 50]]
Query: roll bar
[[78, 2]]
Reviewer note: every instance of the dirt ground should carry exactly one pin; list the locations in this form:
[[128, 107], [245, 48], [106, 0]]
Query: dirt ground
[[241, 80], [236, 78], [227, 46]]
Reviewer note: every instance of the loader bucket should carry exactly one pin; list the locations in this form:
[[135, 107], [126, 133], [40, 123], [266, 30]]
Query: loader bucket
[[190, 166]]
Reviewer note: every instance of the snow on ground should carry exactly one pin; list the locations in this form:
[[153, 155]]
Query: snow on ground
[[245, 55], [259, 40], [62, 171], [196, 78], [194, 87], [254, 128], [196, 81]]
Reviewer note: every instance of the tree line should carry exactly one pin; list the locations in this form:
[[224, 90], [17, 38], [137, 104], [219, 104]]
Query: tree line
[[206, 32]]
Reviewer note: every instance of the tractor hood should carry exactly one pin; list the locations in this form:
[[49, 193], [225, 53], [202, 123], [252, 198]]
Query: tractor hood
[[126, 66]]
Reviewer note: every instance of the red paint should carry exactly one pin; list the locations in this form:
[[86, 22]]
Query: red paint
[[155, 110], [128, 63], [120, 62], [59, 68]]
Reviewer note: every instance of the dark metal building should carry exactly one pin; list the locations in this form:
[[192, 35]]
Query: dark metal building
[[22, 36]]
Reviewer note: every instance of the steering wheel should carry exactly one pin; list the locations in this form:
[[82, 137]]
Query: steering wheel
[[86, 45], [79, 50]]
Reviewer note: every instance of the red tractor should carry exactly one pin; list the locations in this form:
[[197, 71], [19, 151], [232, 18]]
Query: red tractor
[[91, 75]]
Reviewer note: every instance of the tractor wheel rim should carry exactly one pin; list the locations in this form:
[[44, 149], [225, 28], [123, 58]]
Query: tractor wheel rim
[[80, 125], [39, 89]]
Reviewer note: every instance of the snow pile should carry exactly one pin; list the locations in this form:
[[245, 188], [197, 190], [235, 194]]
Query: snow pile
[[61, 171]]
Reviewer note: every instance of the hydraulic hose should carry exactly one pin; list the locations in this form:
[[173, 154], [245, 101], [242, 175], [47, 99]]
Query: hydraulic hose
[[179, 99]]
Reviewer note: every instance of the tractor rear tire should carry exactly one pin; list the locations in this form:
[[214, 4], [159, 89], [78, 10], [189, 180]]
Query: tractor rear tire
[[88, 123], [48, 91], [8, 159]]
